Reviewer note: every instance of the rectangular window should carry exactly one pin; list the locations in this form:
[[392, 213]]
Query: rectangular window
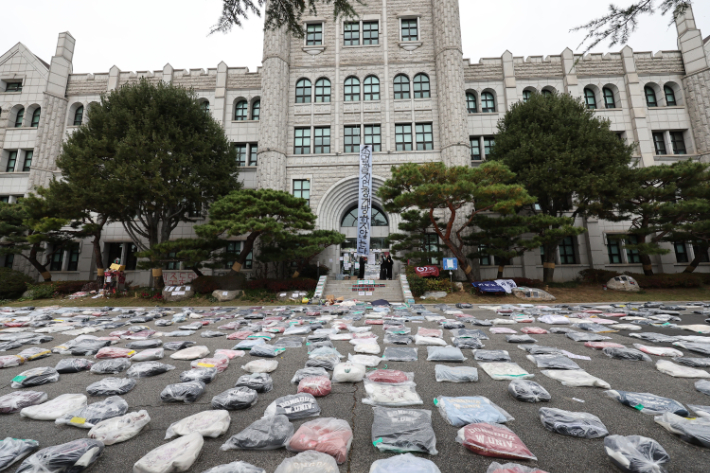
[[632, 256], [700, 253], [485, 259], [659, 143], [409, 30], [314, 34], [253, 154], [352, 33], [431, 245], [425, 137], [351, 139], [14, 87], [57, 261], [302, 141], [73, 264], [235, 248], [172, 265], [9, 259], [678, 142], [403, 137], [681, 254], [321, 140], [241, 149], [131, 258], [488, 144], [11, 161], [542, 254], [302, 189], [370, 32], [5, 199], [373, 136], [614, 249], [475, 148], [115, 252], [567, 255], [28, 161]]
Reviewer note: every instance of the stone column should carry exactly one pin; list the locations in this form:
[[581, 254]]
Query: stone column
[[569, 70], [637, 108]]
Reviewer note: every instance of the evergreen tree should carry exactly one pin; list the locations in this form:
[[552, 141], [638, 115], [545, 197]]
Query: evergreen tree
[[194, 254], [415, 244], [299, 248]]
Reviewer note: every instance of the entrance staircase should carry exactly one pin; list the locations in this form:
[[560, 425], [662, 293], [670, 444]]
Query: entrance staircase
[[392, 292]]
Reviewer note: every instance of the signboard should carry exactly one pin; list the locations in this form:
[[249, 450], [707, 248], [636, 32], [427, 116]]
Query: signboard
[[364, 207], [425, 271], [178, 278], [451, 264]]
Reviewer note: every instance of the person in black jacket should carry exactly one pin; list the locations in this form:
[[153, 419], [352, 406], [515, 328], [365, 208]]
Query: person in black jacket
[[361, 271], [389, 264], [383, 269]]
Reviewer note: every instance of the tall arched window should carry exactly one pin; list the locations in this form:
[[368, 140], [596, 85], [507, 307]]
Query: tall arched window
[[590, 99], [371, 89], [471, 104], [352, 89], [323, 90], [256, 110], [35, 117], [303, 91], [401, 87], [670, 96], [526, 95], [241, 111], [379, 219], [422, 88], [650, 96], [205, 105], [79, 115], [488, 102], [18, 118], [546, 93], [609, 100]]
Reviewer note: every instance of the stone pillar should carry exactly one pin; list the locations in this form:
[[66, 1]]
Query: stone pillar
[[220, 94], [451, 91], [511, 89], [570, 73], [168, 73], [637, 108]]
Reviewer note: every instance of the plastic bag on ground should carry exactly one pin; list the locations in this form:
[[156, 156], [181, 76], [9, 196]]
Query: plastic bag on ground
[[309, 461], [11, 361], [520, 339], [658, 351], [445, 354], [528, 391], [113, 366], [431, 341], [114, 352], [71, 457], [231, 354], [55, 408], [493, 440], [573, 424], [13, 450], [176, 346], [348, 372], [34, 353], [267, 433], [503, 371], [702, 348], [702, 411], [365, 360], [178, 455], [555, 362], [220, 363], [295, 406], [404, 463], [266, 351], [16, 401], [636, 454], [73, 365], [235, 399], [308, 372], [111, 386], [191, 353], [541, 350], [629, 354], [430, 332], [400, 354], [403, 430], [206, 375], [150, 354], [702, 386], [648, 403], [460, 411], [235, 467], [694, 431], [585, 337], [456, 374], [143, 344], [403, 394], [35, 377], [328, 435], [680, 371], [318, 386], [259, 382], [87, 417], [511, 468], [147, 369], [261, 366], [389, 376], [472, 343], [694, 362], [206, 423], [491, 355], [576, 378], [183, 392], [249, 344], [368, 348], [602, 345], [654, 337], [534, 330], [119, 429]]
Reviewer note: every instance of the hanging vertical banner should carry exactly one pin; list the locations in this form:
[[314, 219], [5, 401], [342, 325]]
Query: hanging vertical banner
[[364, 207]]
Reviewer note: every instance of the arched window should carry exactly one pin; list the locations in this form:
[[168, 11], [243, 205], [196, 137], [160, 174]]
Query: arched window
[[590, 99], [526, 95], [401, 87], [79, 115], [323, 90], [205, 105], [371, 90], [547, 93], [650, 96], [303, 91], [241, 110], [18, 118], [488, 102], [35, 117], [422, 89], [352, 89], [471, 104], [670, 96], [379, 219], [609, 101], [256, 110]]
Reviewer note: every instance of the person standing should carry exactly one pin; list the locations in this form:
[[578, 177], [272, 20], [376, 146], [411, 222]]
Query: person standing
[[389, 264], [383, 269], [361, 270]]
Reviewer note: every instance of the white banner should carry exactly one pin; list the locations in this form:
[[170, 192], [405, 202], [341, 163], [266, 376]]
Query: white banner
[[364, 208]]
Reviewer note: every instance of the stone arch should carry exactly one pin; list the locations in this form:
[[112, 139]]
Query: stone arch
[[71, 115], [677, 92], [550, 89], [246, 104], [13, 115], [483, 104], [598, 97], [617, 95], [660, 99]]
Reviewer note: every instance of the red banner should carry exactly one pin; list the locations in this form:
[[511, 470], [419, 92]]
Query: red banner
[[426, 271]]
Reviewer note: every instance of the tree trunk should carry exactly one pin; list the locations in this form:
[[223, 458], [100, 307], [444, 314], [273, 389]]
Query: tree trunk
[[42, 268], [647, 266], [99, 259], [463, 264], [246, 249], [693, 264], [196, 270], [548, 266], [157, 275], [501, 268]]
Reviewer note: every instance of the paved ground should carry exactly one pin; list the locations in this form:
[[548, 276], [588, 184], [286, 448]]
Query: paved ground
[[556, 453]]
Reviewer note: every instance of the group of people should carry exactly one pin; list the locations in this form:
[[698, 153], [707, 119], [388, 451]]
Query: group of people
[[385, 267]]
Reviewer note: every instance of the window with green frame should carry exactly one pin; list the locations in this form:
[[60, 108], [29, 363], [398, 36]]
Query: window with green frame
[[235, 248], [73, 264], [432, 245], [314, 34], [613, 247], [681, 252], [13, 87], [632, 256], [56, 260], [8, 260], [302, 189], [567, 251], [172, 265], [27, 165]]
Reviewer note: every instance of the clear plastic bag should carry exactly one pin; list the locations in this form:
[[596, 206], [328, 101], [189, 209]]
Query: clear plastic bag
[[702, 386], [328, 435], [295, 406], [55, 408], [235, 399], [368, 348], [178, 455], [327, 362], [73, 365], [259, 382], [492, 440], [176, 346], [702, 411], [400, 354], [365, 360], [219, 363], [120, 429], [16, 401], [11, 361], [317, 386], [680, 371], [235, 467], [430, 341], [71, 457], [636, 454], [114, 352], [628, 354], [648, 403], [573, 424], [496, 467], [520, 339], [404, 463], [445, 354], [183, 392], [206, 423], [111, 386], [308, 461], [143, 344], [394, 395], [87, 417], [206, 375], [112, 366], [266, 351], [654, 337], [528, 391], [249, 344], [35, 377], [231, 354], [658, 351], [289, 342], [552, 319], [694, 362], [308, 372], [701, 348], [261, 366], [391, 338], [88, 347], [148, 369], [150, 354], [602, 345], [472, 343], [191, 353], [348, 372], [504, 371], [211, 334], [456, 374], [491, 355], [576, 378], [13, 450], [555, 362], [694, 431], [403, 430], [460, 411], [586, 337], [267, 433], [389, 376]]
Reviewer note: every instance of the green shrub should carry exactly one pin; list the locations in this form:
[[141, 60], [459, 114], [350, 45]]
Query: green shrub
[[596, 276], [13, 283], [668, 281], [69, 287], [41, 291], [420, 285], [209, 284]]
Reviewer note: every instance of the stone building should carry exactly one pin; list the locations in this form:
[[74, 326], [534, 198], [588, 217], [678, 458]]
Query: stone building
[[397, 79]]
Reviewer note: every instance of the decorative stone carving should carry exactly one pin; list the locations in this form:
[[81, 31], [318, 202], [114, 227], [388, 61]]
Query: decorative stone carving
[[623, 283], [529, 293]]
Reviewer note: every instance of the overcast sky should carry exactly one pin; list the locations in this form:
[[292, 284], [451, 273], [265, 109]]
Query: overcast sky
[[141, 35]]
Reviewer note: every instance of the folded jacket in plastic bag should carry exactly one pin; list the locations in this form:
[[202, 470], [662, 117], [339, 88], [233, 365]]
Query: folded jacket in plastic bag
[[296, 406], [493, 440], [220, 363], [249, 344], [191, 353], [496, 467], [702, 386], [573, 424], [114, 352], [658, 351], [73, 365], [266, 351], [585, 337], [55, 408], [206, 375], [150, 354], [34, 353], [576, 378], [113, 366], [71, 457], [472, 343], [178, 455], [399, 354], [11, 361], [528, 391], [654, 337], [636, 454], [111, 386], [267, 433], [35, 377], [702, 348], [348, 372], [502, 371], [13, 450], [120, 429], [206, 423], [175, 346], [403, 430], [391, 338], [520, 339], [402, 394], [491, 355], [16, 401], [445, 354], [235, 467], [680, 371], [289, 342], [87, 417], [327, 435], [183, 392], [648, 403], [694, 431], [629, 354], [602, 345], [368, 361], [308, 372], [389, 376], [432, 341], [88, 347], [405, 463], [235, 399], [143, 344], [556, 362], [702, 411], [460, 411], [694, 362], [259, 382], [456, 374], [261, 366], [147, 369], [308, 461]]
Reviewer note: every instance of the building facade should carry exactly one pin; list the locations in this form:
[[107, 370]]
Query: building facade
[[396, 79]]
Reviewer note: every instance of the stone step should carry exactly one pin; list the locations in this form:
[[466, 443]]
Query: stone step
[[392, 291]]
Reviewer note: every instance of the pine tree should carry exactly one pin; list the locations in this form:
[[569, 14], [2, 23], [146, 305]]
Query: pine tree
[[300, 248], [415, 244]]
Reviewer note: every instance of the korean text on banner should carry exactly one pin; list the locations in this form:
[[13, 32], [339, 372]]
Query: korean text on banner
[[364, 209]]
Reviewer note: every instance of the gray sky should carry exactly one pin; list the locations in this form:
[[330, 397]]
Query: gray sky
[[140, 35]]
